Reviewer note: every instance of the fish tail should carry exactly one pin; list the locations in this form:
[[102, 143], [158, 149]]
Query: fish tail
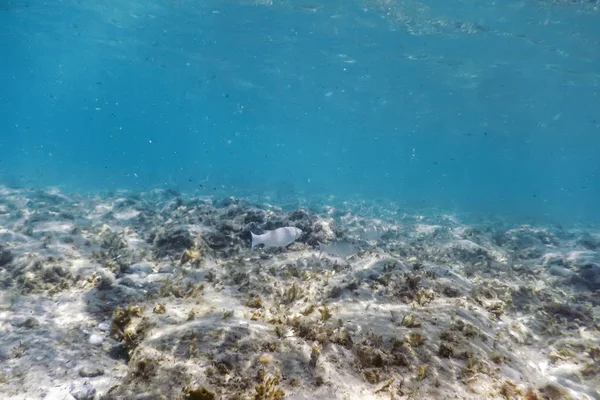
[[254, 241]]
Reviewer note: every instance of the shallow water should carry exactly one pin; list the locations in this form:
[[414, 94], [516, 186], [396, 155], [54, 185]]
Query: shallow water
[[464, 106], [440, 160]]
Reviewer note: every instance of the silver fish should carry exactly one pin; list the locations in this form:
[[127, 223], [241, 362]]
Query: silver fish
[[371, 233], [276, 238], [342, 248]]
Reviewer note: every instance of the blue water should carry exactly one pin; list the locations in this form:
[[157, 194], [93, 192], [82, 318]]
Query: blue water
[[485, 106]]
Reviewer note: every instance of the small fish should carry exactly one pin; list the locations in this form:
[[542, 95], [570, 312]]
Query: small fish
[[371, 233], [276, 238], [342, 248]]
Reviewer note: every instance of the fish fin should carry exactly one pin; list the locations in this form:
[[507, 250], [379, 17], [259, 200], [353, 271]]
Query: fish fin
[[253, 240]]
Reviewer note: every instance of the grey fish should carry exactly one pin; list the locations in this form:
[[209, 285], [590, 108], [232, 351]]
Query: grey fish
[[276, 238], [371, 233], [341, 248]]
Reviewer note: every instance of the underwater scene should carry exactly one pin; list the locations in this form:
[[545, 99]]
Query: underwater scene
[[296, 199]]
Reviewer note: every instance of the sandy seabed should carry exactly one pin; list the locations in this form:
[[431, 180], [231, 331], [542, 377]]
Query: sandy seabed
[[158, 296]]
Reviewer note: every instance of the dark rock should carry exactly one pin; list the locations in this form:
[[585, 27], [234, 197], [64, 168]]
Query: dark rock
[[531, 253], [253, 216], [590, 273], [445, 350], [554, 259], [173, 241], [67, 215], [298, 214], [119, 352], [217, 240], [568, 311], [469, 252], [233, 212], [54, 274], [27, 323], [105, 280], [6, 256], [335, 292], [450, 291], [273, 224], [228, 227]]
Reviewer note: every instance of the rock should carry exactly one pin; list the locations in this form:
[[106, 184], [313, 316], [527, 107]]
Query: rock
[[525, 237], [90, 371], [590, 273], [83, 391], [142, 268], [95, 339], [273, 224], [226, 202], [27, 323], [54, 274], [570, 312], [166, 269], [530, 253], [590, 242], [467, 251], [217, 240], [6, 256], [558, 270], [7, 236], [227, 227], [173, 241], [4, 354], [104, 326], [322, 231], [254, 216], [129, 282], [106, 280], [119, 352], [298, 214], [550, 259]]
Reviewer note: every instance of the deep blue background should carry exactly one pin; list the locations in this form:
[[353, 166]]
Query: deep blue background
[[465, 105]]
